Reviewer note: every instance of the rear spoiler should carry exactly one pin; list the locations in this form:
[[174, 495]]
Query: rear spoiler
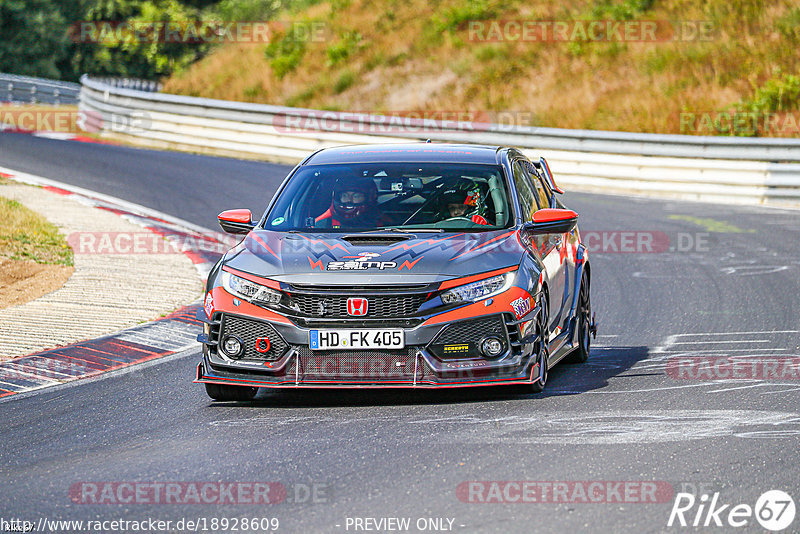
[[548, 174]]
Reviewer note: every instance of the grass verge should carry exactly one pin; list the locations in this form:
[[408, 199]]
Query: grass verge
[[26, 235]]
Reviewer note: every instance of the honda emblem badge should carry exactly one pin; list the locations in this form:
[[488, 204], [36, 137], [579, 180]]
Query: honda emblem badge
[[357, 306]]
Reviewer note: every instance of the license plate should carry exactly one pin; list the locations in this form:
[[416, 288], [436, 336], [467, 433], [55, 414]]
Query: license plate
[[356, 339]]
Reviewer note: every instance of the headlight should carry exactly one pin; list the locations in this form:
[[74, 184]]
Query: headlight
[[478, 290], [249, 291]]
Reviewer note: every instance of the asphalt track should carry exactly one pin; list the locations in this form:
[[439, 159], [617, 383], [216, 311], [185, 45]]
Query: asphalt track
[[620, 417]]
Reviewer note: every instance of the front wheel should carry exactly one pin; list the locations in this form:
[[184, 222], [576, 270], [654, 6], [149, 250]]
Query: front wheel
[[222, 392], [584, 316], [542, 351]]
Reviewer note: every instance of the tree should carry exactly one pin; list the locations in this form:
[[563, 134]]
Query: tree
[[34, 38]]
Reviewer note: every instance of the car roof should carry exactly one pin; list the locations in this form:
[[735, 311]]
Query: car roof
[[407, 152]]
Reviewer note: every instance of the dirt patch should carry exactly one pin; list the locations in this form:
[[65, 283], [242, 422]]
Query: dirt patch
[[23, 281]]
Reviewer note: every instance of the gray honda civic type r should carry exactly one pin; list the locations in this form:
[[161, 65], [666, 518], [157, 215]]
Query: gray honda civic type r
[[399, 266]]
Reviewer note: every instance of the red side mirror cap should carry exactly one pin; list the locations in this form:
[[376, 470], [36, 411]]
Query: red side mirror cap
[[236, 221]]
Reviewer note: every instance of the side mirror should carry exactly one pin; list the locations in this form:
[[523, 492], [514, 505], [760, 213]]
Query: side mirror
[[552, 221], [236, 221]]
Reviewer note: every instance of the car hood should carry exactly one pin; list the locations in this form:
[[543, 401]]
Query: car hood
[[333, 259]]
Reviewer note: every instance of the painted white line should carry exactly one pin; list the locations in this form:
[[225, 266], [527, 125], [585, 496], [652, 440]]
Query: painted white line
[[665, 388], [737, 333], [16, 371], [791, 388], [760, 384], [754, 349], [720, 342]]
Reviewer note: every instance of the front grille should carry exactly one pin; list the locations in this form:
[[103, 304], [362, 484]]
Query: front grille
[[324, 322], [379, 307], [355, 365], [248, 331]]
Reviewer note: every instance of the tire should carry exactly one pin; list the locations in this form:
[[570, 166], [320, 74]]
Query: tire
[[584, 327], [230, 393], [541, 349]]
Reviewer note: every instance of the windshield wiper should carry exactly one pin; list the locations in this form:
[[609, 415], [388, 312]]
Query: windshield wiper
[[415, 230]]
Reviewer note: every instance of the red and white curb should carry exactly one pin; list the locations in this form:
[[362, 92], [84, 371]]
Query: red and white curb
[[169, 335]]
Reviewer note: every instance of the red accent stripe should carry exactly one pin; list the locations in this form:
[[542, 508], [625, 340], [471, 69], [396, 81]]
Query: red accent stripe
[[253, 278], [365, 385], [408, 265], [261, 242], [447, 284]]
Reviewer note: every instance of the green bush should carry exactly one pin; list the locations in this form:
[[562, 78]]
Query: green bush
[[348, 45], [453, 18], [626, 10], [777, 94], [789, 25], [346, 79], [286, 53]]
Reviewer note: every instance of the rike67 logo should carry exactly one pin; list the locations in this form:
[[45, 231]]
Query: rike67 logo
[[774, 510]]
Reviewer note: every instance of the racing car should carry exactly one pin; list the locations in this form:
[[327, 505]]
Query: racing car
[[399, 266]]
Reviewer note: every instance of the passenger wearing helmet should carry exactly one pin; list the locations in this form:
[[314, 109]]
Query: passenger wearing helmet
[[353, 204], [459, 202]]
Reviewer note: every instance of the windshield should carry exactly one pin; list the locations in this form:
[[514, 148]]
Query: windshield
[[375, 196]]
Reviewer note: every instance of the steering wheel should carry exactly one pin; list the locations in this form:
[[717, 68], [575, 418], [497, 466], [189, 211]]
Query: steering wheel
[[459, 219]]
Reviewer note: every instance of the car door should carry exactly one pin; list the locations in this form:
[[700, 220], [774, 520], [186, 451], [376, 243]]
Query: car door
[[547, 245], [566, 247]]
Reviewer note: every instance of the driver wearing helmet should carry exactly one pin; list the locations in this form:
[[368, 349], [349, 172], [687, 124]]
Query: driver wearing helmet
[[353, 204], [458, 202]]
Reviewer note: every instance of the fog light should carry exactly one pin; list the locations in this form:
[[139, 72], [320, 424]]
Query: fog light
[[232, 346], [491, 347]]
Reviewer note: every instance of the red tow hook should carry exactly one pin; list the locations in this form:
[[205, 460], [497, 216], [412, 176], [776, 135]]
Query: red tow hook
[[593, 326]]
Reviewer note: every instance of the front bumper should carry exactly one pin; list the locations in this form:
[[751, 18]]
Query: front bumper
[[423, 363]]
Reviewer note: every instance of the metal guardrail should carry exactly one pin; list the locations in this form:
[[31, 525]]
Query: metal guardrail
[[728, 169], [135, 84], [29, 90]]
